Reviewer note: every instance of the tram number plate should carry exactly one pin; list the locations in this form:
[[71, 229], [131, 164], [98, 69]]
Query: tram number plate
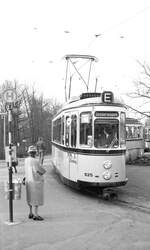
[[88, 174]]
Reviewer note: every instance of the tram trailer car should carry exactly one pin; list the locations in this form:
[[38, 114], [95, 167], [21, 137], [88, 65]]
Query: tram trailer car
[[134, 139], [147, 138], [89, 141]]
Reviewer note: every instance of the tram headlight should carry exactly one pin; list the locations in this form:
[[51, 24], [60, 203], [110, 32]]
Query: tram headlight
[[107, 175], [107, 164]]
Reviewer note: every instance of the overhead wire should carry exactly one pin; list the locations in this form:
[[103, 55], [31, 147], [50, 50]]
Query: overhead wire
[[137, 110], [128, 19]]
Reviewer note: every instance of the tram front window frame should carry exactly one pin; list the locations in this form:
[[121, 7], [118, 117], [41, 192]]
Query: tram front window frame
[[86, 129], [122, 130], [74, 130], [57, 130], [106, 133]]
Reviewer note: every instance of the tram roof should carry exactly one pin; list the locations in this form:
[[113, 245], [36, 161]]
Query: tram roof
[[97, 100], [81, 56]]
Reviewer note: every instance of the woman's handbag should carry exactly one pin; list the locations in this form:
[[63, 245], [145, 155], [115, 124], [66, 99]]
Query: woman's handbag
[[24, 181], [41, 171]]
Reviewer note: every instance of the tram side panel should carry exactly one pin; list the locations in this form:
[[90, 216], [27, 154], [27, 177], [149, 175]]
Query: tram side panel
[[73, 166], [135, 149], [102, 170], [134, 139], [65, 163], [60, 161]]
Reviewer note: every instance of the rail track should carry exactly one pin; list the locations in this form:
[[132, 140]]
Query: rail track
[[110, 196]]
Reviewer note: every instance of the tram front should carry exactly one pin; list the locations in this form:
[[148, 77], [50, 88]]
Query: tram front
[[102, 163]]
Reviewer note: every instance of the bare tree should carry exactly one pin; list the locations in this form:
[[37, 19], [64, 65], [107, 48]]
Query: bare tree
[[142, 86], [141, 90], [32, 116]]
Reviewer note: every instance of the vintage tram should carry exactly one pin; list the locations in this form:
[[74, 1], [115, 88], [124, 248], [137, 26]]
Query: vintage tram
[[89, 141], [134, 139]]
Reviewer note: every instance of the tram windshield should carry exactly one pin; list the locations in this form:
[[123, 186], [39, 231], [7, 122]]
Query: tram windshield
[[106, 133]]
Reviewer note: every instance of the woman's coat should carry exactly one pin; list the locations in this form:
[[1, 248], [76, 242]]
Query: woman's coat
[[34, 182]]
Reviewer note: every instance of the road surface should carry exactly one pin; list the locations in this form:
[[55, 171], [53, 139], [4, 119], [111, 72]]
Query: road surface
[[77, 221]]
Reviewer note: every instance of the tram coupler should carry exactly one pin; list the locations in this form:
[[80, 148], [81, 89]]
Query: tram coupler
[[109, 194]]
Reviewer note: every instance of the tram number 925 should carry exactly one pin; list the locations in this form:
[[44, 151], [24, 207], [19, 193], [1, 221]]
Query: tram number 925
[[88, 174]]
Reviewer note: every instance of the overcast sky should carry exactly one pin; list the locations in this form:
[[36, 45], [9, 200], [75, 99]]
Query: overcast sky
[[35, 35]]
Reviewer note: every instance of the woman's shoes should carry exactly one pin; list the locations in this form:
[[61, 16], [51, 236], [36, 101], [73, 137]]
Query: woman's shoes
[[34, 217], [31, 216], [37, 217]]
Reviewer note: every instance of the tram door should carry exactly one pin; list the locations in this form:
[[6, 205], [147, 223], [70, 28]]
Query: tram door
[[71, 133]]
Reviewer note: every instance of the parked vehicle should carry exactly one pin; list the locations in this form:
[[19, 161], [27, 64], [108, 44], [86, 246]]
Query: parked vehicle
[[134, 139]]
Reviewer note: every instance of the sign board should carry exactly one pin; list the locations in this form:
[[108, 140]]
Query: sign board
[[106, 114], [14, 156], [107, 97], [10, 96]]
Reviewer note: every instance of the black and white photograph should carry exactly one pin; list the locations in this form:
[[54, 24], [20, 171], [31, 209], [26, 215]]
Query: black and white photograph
[[74, 125]]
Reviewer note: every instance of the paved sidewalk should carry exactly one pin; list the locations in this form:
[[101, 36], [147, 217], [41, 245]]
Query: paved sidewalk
[[23, 233]]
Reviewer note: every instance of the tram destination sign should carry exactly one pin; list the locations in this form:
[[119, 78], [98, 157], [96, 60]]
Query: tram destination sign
[[107, 97], [106, 114]]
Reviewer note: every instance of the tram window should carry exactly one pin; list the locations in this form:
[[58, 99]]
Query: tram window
[[147, 133], [57, 130], [141, 132], [73, 130], [122, 129], [54, 131], [128, 132], [134, 132], [106, 133], [67, 130], [62, 132], [138, 132], [86, 129]]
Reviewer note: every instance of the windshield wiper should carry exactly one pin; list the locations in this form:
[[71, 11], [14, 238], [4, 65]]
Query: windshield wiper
[[115, 139]]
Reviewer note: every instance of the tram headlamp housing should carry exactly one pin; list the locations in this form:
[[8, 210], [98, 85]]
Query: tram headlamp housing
[[107, 175], [107, 164]]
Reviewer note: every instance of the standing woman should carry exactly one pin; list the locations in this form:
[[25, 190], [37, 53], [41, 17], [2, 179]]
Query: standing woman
[[34, 182]]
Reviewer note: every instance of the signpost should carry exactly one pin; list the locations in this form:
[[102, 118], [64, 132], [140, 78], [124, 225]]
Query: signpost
[[9, 98]]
